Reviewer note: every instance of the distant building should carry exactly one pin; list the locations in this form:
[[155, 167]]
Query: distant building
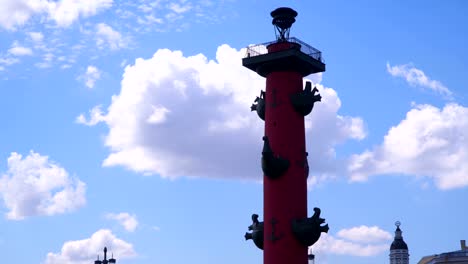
[[399, 249], [454, 257]]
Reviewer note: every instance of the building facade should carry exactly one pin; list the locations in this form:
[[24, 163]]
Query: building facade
[[399, 250], [454, 257]]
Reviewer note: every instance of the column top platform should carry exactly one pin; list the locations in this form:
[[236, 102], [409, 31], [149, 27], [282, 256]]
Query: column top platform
[[286, 55]]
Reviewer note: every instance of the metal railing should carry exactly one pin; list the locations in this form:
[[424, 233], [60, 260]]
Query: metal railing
[[261, 49]]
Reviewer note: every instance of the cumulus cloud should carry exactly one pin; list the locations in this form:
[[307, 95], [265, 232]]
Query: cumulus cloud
[[365, 234], [14, 13], [95, 114], [331, 245], [90, 77], [36, 37], [190, 116], [84, 251], [34, 185], [106, 36], [325, 129], [18, 50], [430, 142], [129, 222], [417, 77], [360, 241], [65, 12]]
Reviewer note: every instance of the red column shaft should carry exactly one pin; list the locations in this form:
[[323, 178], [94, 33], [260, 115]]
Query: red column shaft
[[285, 198]]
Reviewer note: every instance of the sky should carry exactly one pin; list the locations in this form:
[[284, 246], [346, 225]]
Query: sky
[[127, 124]]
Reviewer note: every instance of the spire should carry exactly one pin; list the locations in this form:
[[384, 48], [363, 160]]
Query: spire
[[105, 260], [398, 230]]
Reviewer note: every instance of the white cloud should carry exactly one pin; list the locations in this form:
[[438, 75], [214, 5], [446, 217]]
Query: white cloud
[[65, 12], [151, 19], [328, 244], [36, 186], [417, 77], [179, 8], [43, 65], [96, 116], [188, 116], [36, 37], [159, 115], [15, 13], [129, 222], [429, 142], [18, 50], [362, 241], [365, 234], [90, 77], [9, 61], [85, 251], [107, 36]]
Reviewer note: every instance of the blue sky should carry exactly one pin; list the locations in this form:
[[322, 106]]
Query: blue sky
[[128, 125]]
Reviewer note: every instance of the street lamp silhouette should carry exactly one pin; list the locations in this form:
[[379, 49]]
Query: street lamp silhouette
[[105, 261]]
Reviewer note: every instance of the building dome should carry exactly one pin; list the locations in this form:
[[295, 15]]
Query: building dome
[[398, 243]]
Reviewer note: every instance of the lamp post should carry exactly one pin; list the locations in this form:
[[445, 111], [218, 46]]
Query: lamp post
[[105, 261]]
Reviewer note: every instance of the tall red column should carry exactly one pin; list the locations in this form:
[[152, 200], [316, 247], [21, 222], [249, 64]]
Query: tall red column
[[285, 198], [283, 106]]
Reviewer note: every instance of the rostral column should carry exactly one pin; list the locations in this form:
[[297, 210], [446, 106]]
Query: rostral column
[[286, 232]]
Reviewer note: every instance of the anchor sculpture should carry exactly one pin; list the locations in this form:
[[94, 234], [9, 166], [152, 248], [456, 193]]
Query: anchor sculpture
[[257, 232], [260, 106], [308, 230], [303, 102], [272, 166]]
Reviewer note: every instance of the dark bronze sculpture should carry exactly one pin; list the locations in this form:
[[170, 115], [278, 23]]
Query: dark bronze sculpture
[[308, 230], [257, 232], [272, 166], [303, 102], [260, 106]]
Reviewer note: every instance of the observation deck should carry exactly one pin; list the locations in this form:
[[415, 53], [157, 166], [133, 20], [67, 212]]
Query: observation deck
[[287, 54]]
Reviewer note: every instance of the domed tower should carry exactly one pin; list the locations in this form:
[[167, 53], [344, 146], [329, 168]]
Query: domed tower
[[399, 249]]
